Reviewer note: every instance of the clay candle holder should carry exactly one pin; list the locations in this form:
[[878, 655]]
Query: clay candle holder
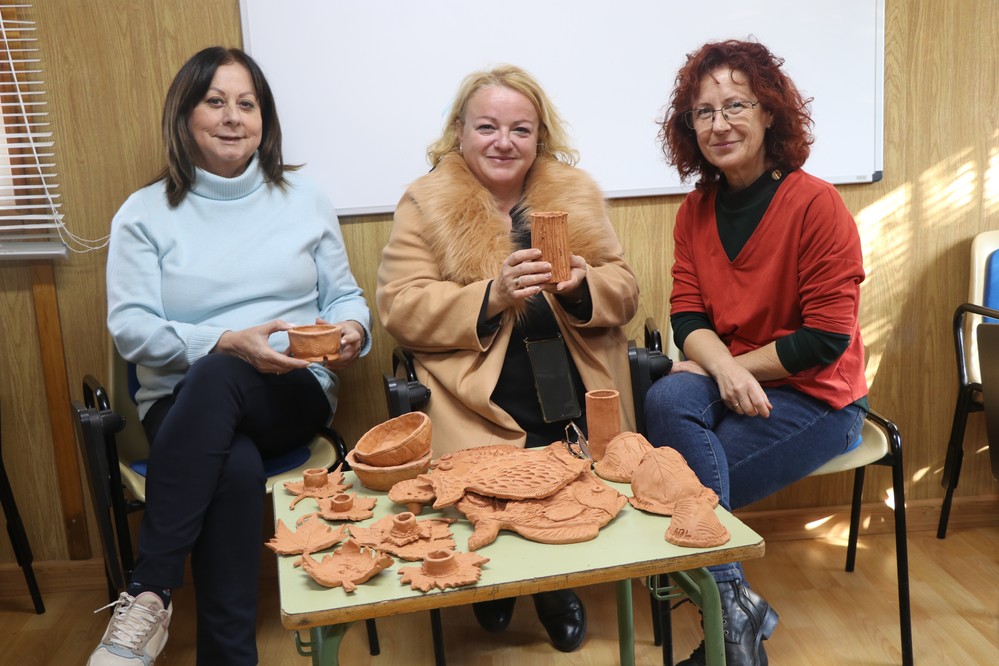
[[315, 343], [603, 420], [397, 441], [550, 234]]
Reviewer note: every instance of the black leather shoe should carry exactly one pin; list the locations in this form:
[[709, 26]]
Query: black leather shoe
[[564, 618], [748, 621], [494, 616]]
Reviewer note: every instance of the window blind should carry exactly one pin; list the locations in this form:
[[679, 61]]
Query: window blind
[[31, 224]]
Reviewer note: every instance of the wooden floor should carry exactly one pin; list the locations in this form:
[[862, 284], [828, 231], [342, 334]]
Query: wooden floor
[[827, 616]]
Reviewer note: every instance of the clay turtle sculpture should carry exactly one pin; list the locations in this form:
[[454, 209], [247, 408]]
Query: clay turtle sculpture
[[405, 536], [695, 525], [346, 506], [503, 471], [347, 567], [317, 483], [624, 453], [443, 569], [312, 536], [574, 513], [414, 494], [662, 478]]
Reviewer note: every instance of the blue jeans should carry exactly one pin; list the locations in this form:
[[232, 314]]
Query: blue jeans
[[746, 458]]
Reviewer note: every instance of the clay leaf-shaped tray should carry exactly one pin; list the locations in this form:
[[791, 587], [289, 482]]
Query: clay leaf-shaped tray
[[343, 506], [334, 485], [312, 536], [347, 567], [462, 569], [424, 536], [574, 513], [695, 525], [503, 471], [662, 478]]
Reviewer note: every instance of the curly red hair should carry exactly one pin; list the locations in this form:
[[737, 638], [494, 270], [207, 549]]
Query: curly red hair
[[788, 140]]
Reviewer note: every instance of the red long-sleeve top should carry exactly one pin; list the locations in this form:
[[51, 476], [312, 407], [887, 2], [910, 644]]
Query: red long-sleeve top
[[802, 266]]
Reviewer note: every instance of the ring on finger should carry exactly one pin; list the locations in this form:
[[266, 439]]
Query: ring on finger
[[516, 282]]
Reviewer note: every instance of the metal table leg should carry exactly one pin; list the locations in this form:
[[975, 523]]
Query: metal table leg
[[625, 623], [700, 586], [323, 644]]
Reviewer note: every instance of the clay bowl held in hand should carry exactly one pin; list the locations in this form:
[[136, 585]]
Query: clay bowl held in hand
[[383, 478], [396, 441], [316, 342]]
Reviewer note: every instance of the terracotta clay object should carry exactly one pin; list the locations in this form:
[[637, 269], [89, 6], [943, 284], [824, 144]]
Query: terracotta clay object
[[624, 453], [383, 478], [347, 567], [662, 478], [550, 234], [406, 537], [396, 441], [443, 569], [316, 343], [414, 494], [572, 514], [345, 506], [317, 483], [695, 525], [312, 536], [503, 471], [603, 420]]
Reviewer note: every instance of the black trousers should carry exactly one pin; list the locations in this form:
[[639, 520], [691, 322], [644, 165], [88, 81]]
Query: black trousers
[[205, 489]]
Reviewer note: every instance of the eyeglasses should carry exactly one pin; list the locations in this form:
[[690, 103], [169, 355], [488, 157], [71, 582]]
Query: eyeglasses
[[705, 115], [575, 442]]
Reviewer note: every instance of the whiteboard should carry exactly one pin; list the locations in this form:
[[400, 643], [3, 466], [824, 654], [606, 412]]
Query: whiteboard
[[363, 87]]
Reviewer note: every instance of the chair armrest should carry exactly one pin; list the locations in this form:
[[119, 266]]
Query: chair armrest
[[94, 394], [647, 365], [959, 341], [336, 440], [404, 394]]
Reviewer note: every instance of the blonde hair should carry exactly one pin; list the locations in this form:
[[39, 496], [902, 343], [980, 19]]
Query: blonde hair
[[553, 139]]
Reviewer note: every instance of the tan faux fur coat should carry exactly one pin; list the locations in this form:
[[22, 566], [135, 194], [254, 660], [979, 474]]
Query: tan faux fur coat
[[448, 241]]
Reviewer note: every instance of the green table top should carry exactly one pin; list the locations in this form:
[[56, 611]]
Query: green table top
[[630, 546]]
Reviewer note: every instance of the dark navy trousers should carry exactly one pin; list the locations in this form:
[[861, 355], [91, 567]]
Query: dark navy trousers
[[205, 489]]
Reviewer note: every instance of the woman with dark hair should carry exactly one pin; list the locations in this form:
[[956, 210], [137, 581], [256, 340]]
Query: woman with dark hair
[[766, 291], [208, 267]]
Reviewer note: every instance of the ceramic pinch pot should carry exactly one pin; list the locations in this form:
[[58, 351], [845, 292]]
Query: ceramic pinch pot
[[315, 343], [397, 441], [373, 477]]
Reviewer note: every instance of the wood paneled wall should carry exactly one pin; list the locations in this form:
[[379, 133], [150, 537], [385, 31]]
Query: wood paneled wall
[[109, 64]]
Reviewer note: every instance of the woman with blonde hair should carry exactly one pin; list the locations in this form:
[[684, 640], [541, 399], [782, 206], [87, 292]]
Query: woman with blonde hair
[[460, 286]]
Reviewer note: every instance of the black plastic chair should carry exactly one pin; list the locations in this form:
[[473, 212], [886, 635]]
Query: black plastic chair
[[967, 317]]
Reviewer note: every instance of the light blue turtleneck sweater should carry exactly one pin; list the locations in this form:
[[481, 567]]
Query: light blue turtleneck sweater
[[235, 253]]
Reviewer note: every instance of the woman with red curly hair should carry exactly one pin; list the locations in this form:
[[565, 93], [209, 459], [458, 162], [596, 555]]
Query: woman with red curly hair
[[766, 291]]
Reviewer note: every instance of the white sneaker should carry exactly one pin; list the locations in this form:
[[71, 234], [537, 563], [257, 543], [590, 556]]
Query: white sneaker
[[136, 633]]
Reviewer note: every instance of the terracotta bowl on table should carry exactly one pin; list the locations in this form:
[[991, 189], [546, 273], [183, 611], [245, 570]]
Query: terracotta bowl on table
[[396, 441], [383, 478]]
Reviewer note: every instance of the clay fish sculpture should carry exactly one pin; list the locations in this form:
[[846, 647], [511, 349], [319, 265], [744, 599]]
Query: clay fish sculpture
[[574, 513], [503, 471]]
